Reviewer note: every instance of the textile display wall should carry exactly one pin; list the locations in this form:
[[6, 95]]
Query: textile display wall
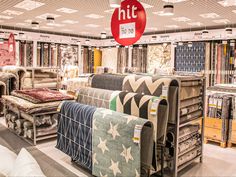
[[139, 59], [46, 55], [109, 58], [122, 59], [8, 51], [88, 60], [158, 57], [97, 59], [221, 62], [26, 53], [190, 59]]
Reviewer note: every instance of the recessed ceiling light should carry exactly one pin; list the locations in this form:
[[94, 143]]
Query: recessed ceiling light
[[115, 3], [87, 41], [168, 10], [72, 22], [227, 3], [103, 35], [195, 24], [50, 20], [5, 17], [44, 16], [35, 25], [146, 6], [174, 1], [190, 44], [228, 31], [172, 26], [29, 5], [12, 12], [209, 15], [67, 10], [92, 26], [181, 19], [224, 21], [94, 16]]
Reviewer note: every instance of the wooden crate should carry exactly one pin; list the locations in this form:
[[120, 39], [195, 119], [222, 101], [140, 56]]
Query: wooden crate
[[232, 140], [222, 144], [213, 123]]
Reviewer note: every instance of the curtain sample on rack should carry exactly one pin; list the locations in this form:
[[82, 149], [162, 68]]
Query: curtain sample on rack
[[26, 53], [109, 58], [139, 59], [122, 59], [88, 60], [158, 57], [190, 59]]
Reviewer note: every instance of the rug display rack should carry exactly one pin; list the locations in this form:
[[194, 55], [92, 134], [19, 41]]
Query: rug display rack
[[38, 77], [32, 114], [185, 95]]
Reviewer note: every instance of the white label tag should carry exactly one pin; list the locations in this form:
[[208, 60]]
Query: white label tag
[[154, 107], [127, 30], [59, 107], [137, 133], [164, 92]]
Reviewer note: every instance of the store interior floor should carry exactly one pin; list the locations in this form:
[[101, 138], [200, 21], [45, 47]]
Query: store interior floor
[[217, 162]]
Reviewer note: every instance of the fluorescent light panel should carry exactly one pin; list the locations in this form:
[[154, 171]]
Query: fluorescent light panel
[[224, 21], [209, 15], [67, 10], [44, 16], [94, 16], [71, 22], [181, 19], [174, 1], [29, 5], [92, 25], [12, 12], [5, 17]]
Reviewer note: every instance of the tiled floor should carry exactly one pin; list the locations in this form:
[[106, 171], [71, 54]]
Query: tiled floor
[[218, 162]]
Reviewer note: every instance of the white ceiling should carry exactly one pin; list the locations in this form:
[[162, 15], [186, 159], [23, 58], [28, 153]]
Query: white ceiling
[[91, 17]]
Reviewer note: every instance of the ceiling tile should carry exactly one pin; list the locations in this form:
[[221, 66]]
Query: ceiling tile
[[12, 12]]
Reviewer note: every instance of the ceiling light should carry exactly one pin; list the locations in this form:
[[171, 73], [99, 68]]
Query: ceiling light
[[87, 41], [174, 1], [205, 33], [67, 10], [94, 16], [140, 47], [168, 10], [229, 31], [172, 26], [78, 42], [5, 17], [103, 35], [35, 25], [126, 47], [224, 21], [50, 19], [1, 41], [29, 5], [195, 24], [131, 47], [190, 44], [21, 35], [181, 19], [92, 25], [97, 48], [224, 42], [232, 43], [90, 48], [115, 3], [71, 22], [180, 43], [12, 12], [227, 3], [38, 47], [117, 46], [209, 15], [154, 38], [175, 44]]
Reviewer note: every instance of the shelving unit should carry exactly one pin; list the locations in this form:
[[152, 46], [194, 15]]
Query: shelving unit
[[31, 118], [50, 69], [193, 81]]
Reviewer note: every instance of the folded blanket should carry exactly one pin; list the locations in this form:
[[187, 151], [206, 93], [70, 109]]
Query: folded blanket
[[10, 81], [108, 81], [75, 83], [42, 95], [74, 135], [95, 97], [29, 107], [122, 144]]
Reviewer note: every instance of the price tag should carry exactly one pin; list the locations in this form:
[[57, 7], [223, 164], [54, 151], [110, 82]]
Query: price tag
[[154, 107], [127, 30], [137, 133], [59, 107], [164, 92]]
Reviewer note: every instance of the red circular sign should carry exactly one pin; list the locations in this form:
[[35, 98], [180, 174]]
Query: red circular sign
[[128, 22]]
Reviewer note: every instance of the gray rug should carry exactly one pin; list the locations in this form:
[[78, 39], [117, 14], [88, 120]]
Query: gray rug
[[50, 167]]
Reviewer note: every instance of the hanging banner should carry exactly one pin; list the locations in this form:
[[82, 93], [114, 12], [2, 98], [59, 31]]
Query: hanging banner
[[8, 51], [128, 22]]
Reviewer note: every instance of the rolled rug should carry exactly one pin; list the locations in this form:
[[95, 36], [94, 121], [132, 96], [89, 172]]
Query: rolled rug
[[122, 144]]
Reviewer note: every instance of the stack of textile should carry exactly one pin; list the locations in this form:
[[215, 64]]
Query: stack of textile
[[39, 78], [35, 108], [218, 117], [105, 142], [10, 80], [102, 69]]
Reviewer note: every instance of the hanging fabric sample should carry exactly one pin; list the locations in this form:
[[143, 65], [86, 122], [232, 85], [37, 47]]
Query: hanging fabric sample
[[122, 59], [116, 149], [158, 57], [139, 59], [109, 58], [190, 59]]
